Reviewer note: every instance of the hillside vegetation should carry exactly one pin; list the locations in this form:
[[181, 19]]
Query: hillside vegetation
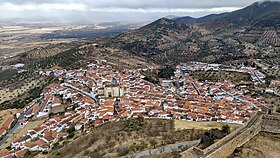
[[241, 34], [18, 89], [115, 139], [220, 76]]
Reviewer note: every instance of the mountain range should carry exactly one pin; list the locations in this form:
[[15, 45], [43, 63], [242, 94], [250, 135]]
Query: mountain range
[[191, 20], [246, 33]]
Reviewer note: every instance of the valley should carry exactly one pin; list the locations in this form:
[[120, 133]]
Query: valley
[[19, 39], [179, 86]]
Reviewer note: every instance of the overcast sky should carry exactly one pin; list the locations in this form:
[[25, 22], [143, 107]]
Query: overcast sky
[[96, 11]]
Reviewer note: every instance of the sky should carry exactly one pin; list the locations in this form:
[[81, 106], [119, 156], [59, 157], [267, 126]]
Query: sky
[[98, 11]]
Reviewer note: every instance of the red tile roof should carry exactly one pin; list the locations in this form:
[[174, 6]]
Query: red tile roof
[[35, 143], [4, 152], [21, 153]]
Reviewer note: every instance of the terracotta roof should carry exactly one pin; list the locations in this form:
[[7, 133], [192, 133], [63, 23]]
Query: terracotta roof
[[39, 128], [21, 153], [35, 108], [63, 134], [57, 119], [4, 152], [35, 143], [56, 101], [98, 122], [8, 123]]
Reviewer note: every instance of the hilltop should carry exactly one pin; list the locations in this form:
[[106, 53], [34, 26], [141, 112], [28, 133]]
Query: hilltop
[[191, 20], [264, 14], [242, 34], [151, 39]]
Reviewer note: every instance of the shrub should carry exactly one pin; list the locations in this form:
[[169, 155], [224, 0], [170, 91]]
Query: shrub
[[153, 143], [134, 124], [28, 153], [71, 135], [210, 136], [226, 129], [71, 129]]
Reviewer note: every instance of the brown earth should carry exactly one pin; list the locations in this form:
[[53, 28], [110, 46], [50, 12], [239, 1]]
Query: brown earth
[[264, 145], [179, 125], [116, 139]]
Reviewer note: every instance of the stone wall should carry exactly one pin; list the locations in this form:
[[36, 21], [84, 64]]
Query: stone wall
[[227, 145], [271, 123]]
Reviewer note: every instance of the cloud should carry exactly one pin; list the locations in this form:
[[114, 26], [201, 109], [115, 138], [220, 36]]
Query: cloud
[[134, 4], [164, 10], [112, 10], [47, 7]]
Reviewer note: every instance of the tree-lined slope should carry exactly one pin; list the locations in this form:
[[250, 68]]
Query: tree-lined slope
[[244, 33]]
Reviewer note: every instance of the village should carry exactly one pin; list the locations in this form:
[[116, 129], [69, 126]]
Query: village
[[92, 96]]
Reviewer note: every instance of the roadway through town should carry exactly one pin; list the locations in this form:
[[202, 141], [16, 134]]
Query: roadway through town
[[17, 125]]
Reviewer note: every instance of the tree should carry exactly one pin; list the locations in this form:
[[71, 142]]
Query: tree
[[166, 72], [71, 129], [68, 101], [134, 124], [71, 135], [51, 114], [55, 145], [226, 129], [28, 153]]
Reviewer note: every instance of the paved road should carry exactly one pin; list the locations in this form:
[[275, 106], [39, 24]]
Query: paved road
[[256, 74], [239, 99], [91, 95], [165, 149], [16, 126], [198, 92]]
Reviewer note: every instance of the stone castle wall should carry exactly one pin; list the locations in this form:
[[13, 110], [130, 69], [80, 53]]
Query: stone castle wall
[[238, 140], [226, 146], [271, 123]]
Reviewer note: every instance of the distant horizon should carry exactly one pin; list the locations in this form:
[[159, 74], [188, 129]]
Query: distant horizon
[[100, 23], [100, 11], [170, 16]]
